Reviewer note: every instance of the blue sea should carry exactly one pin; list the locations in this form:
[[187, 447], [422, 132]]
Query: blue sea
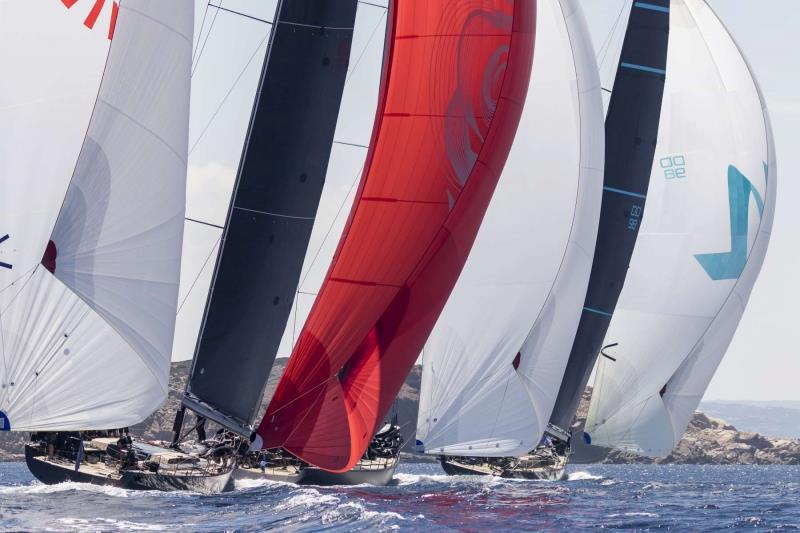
[[683, 498]]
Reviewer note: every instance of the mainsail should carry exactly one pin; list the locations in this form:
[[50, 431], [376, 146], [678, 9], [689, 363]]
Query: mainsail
[[702, 243], [274, 204], [93, 202], [631, 132], [493, 364], [455, 75]]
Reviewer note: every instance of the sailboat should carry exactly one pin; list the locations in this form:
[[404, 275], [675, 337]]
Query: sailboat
[[353, 132], [493, 364], [631, 133], [450, 102], [701, 246], [269, 222], [94, 178]]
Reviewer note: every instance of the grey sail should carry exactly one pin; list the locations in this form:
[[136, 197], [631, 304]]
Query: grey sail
[[631, 132], [272, 210]]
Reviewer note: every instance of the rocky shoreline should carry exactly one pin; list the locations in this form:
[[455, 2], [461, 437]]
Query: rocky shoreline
[[708, 440]]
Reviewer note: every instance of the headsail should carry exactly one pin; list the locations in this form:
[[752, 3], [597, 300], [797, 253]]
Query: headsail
[[631, 132], [278, 187], [101, 306], [493, 364], [701, 247], [454, 79]]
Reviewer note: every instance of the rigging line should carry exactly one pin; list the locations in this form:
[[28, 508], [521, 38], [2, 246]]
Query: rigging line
[[202, 48], [609, 39], [330, 228], [29, 274], [3, 348], [200, 33], [609, 36], [294, 326], [355, 179], [371, 4], [364, 50], [245, 15], [228, 94], [202, 269]]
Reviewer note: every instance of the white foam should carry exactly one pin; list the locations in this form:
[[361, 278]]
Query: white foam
[[647, 515], [82, 524], [582, 476], [245, 484], [305, 498], [350, 510], [403, 480], [40, 488]]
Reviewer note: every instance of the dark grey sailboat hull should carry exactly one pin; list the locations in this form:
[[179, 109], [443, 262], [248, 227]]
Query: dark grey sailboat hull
[[546, 473], [358, 476], [268, 474], [51, 473]]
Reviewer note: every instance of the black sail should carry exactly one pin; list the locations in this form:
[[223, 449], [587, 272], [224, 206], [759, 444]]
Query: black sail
[[631, 134], [272, 211]]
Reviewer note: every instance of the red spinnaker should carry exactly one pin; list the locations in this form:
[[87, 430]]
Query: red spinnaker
[[455, 77]]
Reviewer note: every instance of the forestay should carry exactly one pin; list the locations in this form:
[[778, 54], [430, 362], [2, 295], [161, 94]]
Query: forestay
[[493, 364], [89, 345], [450, 104], [703, 241]]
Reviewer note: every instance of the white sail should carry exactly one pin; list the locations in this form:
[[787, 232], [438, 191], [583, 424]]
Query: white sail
[[493, 365], [704, 235], [102, 200]]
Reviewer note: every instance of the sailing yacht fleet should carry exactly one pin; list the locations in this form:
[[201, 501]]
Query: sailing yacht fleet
[[505, 231]]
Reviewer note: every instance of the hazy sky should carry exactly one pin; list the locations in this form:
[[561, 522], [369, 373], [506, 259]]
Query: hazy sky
[[763, 362]]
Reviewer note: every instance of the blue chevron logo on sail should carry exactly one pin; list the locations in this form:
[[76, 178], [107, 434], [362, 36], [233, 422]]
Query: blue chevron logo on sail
[[730, 265], [3, 239]]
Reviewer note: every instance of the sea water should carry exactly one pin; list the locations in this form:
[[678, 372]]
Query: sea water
[[696, 498]]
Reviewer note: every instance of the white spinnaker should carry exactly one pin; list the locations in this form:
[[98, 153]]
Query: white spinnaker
[[89, 347], [46, 100], [703, 240], [522, 289]]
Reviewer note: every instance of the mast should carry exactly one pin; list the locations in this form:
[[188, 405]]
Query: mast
[[87, 310], [632, 125], [272, 211], [700, 253], [454, 79], [496, 356]]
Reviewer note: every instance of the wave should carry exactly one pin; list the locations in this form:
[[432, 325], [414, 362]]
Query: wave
[[108, 524], [583, 476], [646, 515], [356, 511], [41, 488]]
